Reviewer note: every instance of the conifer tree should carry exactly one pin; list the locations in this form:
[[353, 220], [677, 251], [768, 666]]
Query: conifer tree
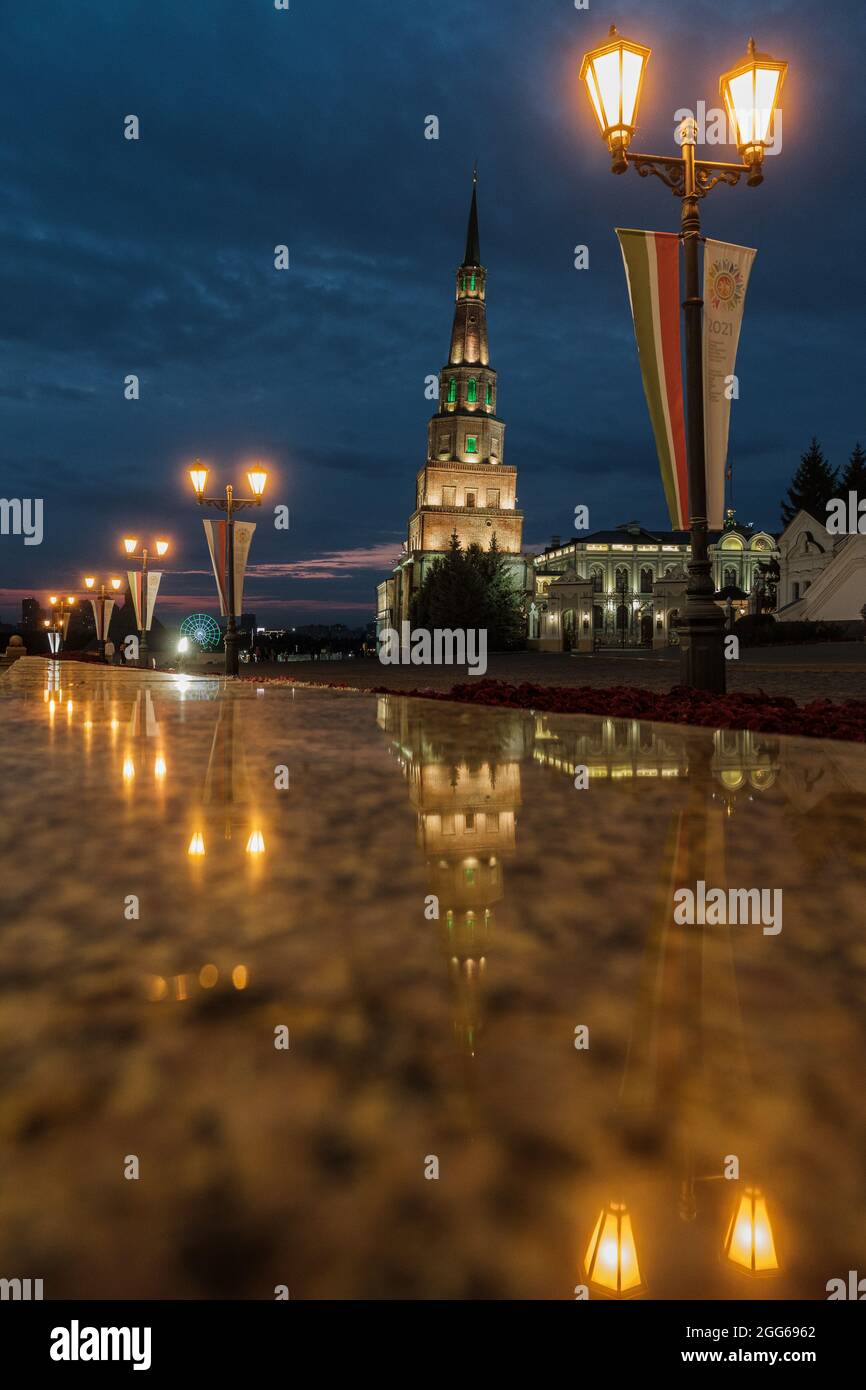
[[854, 477], [812, 486]]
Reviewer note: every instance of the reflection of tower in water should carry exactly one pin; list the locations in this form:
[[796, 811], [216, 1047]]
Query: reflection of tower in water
[[465, 806]]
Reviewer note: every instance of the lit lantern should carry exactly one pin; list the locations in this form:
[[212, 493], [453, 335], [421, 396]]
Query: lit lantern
[[751, 94], [611, 1264], [129, 544], [614, 74], [749, 1243], [257, 478], [198, 478], [161, 547]]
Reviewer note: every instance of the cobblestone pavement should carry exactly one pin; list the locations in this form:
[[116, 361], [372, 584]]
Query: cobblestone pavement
[[803, 681]]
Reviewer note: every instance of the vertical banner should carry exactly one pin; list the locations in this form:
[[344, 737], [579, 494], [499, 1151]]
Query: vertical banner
[[243, 541], [153, 578], [134, 577], [216, 544], [726, 276], [652, 269], [102, 616]]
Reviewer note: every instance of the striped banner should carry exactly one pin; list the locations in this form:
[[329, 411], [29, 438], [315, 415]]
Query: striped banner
[[652, 268], [102, 608], [216, 544], [153, 578]]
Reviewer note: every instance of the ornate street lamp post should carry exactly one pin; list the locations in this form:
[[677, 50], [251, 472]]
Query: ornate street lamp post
[[58, 624], [130, 545], [98, 601], [257, 478], [614, 75]]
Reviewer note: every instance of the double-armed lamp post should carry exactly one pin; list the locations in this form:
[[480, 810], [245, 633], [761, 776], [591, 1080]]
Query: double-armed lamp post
[[99, 598], [230, 504], [130, 545], [57, 625], [614, 75]]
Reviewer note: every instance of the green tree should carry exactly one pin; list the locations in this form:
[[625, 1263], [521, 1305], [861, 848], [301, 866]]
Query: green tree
[[470, 589], [812, 486], [854, 477]]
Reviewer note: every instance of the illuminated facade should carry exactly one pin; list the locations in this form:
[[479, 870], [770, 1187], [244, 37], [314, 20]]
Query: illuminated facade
[[465, 485], [627, 586]]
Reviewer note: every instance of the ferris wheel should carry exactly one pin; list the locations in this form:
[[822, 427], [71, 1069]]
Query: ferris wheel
[[203, 630]]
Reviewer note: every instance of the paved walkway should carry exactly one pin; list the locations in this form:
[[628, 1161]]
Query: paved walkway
[[798, 672]]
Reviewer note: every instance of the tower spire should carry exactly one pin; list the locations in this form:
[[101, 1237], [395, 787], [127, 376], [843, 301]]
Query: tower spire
[[473, 249]]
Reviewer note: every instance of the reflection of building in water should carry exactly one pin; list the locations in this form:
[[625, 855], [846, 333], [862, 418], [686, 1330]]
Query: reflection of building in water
[[466, 818], [609, 748]]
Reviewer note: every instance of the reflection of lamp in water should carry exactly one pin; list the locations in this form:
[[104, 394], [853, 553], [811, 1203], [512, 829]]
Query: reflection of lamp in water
[[256, 842], [611, 1264], [749, 1244], [196, 845]]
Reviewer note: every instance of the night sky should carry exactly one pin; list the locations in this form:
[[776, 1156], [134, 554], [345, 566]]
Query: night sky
[[306, 127]]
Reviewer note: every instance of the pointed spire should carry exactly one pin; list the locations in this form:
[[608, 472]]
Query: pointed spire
[[473, 250]]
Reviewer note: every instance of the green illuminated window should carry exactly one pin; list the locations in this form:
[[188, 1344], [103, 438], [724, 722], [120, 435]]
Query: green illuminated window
[[469, 875], [489, 394], [452, 390], [472, 443], [472, 282], [472, 390], [462, 284]]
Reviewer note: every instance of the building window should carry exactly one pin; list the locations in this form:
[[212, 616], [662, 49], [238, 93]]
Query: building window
[[646, 580], [472, 443], [472, 283], [796, 590], [493, 497], [472, 390], [469, 821], [452, 390], [470, 499], [449, 496], [462, 284], [729, 577], [597, 577], [621, 578], [469, 875], [489, 393]]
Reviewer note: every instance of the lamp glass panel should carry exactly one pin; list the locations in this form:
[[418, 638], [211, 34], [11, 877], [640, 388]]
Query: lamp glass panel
[[632, 67]]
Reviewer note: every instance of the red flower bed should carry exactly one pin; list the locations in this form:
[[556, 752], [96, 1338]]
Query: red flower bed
[[769, 714], [762, 713]]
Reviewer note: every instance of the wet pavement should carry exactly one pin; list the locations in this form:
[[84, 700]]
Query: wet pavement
[[475, 965]]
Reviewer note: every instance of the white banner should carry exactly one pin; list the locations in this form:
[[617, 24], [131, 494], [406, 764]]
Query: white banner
[[242, 542], [726, 276], [153, 578]]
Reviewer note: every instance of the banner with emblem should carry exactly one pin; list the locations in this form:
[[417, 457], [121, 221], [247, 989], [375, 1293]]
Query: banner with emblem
[[243, 539], [652, 268], [726, 276]]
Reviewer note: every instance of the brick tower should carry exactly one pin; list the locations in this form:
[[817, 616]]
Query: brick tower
[[464, 486]]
